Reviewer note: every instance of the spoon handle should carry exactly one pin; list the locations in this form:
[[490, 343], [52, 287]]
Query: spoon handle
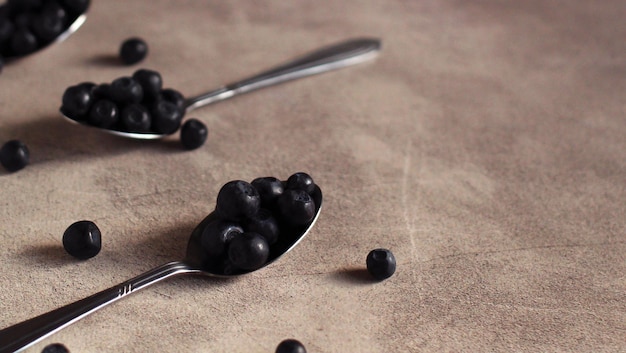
[[22, 335], [337, 56]]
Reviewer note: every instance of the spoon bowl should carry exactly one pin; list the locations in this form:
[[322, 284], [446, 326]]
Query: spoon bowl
[[22, 335], [66, 33], [340, 55]]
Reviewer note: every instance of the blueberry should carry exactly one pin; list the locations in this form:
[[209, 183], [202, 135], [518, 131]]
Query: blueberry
[[296, 207], [53, 8], [1, 63], [248, 251], [23, 5], [166, 117], [76, 6], [103, 113], [173, 96], [47, 26], [217, 235], [264, 224], [82, 240], [290, 346], [76, 101], [125, 90], [151, 82], [14, 155], [381, 263], [55, 348], [133, 50], [102, 91], [23, 41], [193, 134], [136, 118], [6, 29], [301, 181], [269, 189], [237, 200]]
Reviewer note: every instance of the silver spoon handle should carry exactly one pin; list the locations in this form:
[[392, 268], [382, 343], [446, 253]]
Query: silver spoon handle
[[337, 56], [22, 335]]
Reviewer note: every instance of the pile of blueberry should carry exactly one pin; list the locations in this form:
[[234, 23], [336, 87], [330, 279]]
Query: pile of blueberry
[[255, 221], [27, 25], [137, 104]]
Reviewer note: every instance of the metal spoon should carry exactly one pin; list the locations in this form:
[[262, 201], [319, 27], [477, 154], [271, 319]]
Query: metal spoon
[[329, 58], [22, 335], [73, 27]]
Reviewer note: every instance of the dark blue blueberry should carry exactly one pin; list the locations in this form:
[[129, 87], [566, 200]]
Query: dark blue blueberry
[[217, 235], [103, 113], [55, 348], [136, 118], [264, 224], [23, 41], [6, 30], [296, 207], [76, 101], [269, 189], [237, 200], [173, 96], [14, 155], [166, 117], [125, 90], [301, 181], [18, 6], [290, 346], [76, 6], [133, 50], [53, 8], [381, 263], [248, 251], [102, 91], [193, 134], [151, 82], [82, 240], [47, 26]]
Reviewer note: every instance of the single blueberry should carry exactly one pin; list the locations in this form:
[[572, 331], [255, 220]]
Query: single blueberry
[[102, 91], [47, 26], [82, 240], [269, 189], [237, 200], [166, 117], [290, 346], [151, 82], [296, 207], [193, 134], [76, 101], [173, 96], [53, 8], [23, 41], [135, 118], [55, 348], [248, 251], [217, 235], [17, 6], [76, 6], [381, 263], [133, 50], [301, 181], [14, 155], [103, 113], [6, 29], [125, 90], [264, 223]]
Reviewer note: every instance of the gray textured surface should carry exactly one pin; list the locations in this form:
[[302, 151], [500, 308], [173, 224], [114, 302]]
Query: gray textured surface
[[486, 147]]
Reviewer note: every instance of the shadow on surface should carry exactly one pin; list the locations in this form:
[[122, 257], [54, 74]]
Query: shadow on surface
[[357, 276]]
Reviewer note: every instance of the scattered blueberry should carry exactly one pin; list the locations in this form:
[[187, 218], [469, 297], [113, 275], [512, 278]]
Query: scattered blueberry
[[133, 50], [381, 263], [193, 134], [14, 155], [55, 348], [290, 346], [248, 251], [82, 240]]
